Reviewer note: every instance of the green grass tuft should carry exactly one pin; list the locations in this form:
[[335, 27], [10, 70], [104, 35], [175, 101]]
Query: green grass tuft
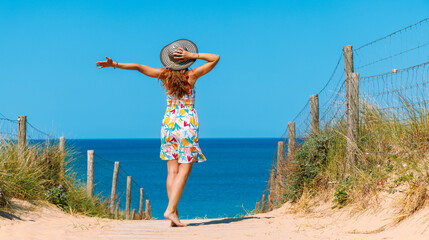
[[37, 175], [392, 150]]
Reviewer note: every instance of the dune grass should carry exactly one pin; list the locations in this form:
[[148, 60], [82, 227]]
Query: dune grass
[[392, 152], [37, 175]]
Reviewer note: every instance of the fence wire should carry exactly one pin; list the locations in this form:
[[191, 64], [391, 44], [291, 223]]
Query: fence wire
[[9, 131], [332, 97], [103, 168], [399, 50], [397, 91], [393, 86], [8, 128], [103, 175]]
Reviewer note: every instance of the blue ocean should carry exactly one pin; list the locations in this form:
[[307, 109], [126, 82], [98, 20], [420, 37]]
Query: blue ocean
[[228, 184]]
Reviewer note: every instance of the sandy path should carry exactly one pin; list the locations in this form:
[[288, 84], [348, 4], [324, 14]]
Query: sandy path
[[50, 223], [252, 227], [324, 223]]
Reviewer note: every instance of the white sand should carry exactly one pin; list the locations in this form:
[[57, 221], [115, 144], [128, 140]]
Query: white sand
[[48, 223]]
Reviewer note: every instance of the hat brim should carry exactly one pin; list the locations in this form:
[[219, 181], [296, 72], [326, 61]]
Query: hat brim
[[170, 48]]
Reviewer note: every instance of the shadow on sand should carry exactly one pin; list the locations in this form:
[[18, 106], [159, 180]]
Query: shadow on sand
[[9, 216], [17, 206], [224, 221]]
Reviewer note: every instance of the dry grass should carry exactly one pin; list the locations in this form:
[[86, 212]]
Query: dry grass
[[392, 152], [413, 201], [39, 170], [305, 204]]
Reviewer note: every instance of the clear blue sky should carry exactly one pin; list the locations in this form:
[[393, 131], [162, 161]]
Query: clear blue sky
[[274, 54]]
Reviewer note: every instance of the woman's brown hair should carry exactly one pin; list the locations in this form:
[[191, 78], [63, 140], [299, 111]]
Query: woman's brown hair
[[176, 82]]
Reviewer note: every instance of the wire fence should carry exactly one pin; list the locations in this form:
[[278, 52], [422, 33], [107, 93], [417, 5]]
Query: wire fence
[[397, 90], [103, 174], [76, 163], [393, 82], [399, 50], [8, 128]]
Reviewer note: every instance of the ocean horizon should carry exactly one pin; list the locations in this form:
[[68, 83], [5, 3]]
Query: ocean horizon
[[228, 184]]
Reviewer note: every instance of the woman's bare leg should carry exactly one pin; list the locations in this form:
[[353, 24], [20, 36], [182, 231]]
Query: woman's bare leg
[[173, 169], [176, 192]]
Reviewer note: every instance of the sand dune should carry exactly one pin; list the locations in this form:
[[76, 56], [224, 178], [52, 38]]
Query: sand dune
[[48, 222]]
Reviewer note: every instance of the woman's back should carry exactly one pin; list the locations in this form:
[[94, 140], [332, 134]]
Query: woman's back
[[186, 100]]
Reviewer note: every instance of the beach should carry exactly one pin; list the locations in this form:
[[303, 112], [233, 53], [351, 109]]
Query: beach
[[317, 221], [311, 125]]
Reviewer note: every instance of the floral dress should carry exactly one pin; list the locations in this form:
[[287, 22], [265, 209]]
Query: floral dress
[[179, 131]]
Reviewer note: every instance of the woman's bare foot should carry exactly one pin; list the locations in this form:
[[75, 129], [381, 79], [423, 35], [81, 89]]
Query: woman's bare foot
[[172, 224], [171, 215]]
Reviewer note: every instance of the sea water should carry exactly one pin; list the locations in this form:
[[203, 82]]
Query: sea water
[[228, 184]]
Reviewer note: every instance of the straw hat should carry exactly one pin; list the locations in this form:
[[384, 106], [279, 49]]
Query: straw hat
[[167, 54]]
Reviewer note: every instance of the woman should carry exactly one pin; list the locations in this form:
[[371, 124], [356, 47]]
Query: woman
[[179, 131]]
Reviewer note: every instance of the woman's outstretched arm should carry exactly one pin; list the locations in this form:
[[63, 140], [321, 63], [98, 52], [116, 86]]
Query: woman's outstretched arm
[[146, 70]]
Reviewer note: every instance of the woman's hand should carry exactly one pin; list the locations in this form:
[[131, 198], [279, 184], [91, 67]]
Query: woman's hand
[[146, 70], [103, 64], [183, 55]]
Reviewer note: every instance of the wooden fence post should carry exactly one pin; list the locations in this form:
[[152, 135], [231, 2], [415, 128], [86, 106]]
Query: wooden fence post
[[314, 109], [62, 148], [291, 149], [291, 145], [352, 117], [280, 171], [271, 196], [141, 213], [117, 210], [348, 69], [62, 144], [134, 215], [114, 186], [22, 136], [128, 201], [90, 174], [348, 60], [148, 210]]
